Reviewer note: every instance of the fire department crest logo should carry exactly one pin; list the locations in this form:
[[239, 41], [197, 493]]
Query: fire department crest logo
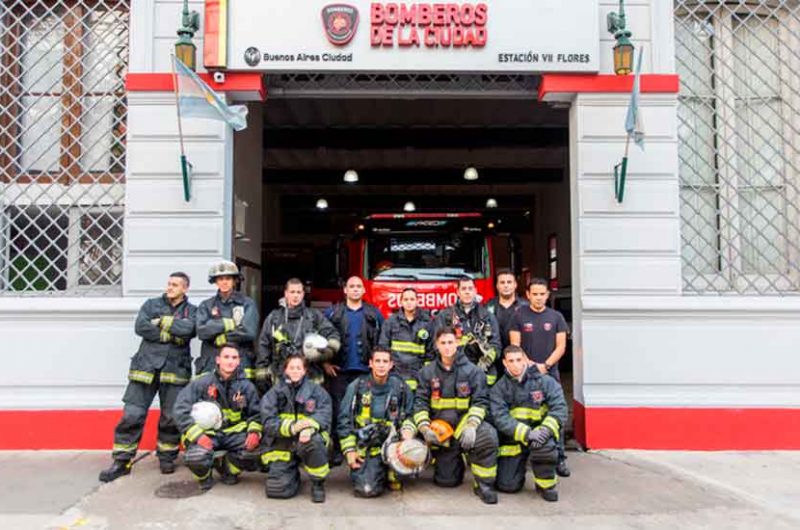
[[537, 395], [463, 389], [548, 326], [340, 22], [310, 406]]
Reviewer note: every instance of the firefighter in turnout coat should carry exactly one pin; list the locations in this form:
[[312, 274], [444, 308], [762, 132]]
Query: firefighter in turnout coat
[[296, 414], [229, 317], [162, 365], [374, 406], [407, 333], [528, 409], [238, 430], [454, 390]]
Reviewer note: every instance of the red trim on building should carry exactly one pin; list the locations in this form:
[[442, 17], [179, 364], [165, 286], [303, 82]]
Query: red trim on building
[[694, 429], [211, 35], [234, 82], [67, 429], [552, 84]]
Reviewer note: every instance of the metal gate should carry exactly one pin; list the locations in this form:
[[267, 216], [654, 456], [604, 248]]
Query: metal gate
[[62, 145], [739, 145]]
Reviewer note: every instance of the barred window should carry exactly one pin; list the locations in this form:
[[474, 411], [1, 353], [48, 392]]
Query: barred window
[[738, 145], [62, 145]]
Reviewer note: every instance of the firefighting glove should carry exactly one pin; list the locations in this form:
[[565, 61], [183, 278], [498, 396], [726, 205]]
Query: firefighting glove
[[166, 322], [252, 441], [205, 442], [485, 362], [156, 321], [428, 435], [468, 435], [538, 437]]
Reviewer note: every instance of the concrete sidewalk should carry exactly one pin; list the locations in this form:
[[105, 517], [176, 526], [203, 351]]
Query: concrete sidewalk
[[608, 489]]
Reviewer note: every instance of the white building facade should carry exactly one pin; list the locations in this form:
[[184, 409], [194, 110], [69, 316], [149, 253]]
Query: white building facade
[[686, 315]]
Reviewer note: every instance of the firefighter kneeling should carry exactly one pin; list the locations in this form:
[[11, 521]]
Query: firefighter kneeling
[[453, 390], [528, 409], [296, 414], [219, 412], [374, 407]]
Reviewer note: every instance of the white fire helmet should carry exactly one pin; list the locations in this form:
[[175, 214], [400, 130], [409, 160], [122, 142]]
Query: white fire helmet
[[407, 457], [313, 344], [207, 415]]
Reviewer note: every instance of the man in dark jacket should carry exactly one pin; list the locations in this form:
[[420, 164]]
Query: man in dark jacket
[[239, 430], [296, 414], [476, 329], [284, 333], [454, 390], [162, 365], [229, 317], [359, 325], [408, 334], [374, 405], [528, 409]]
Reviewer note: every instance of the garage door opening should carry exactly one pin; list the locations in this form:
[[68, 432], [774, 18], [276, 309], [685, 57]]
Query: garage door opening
[[409, 151]]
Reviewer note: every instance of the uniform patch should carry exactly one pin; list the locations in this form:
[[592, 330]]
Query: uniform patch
[[537, 395], [215, 311], [527, 327], [310, 405], [212, 391], [239, 399], [463, 389], [366, 399], [548, 326], [423, 334]]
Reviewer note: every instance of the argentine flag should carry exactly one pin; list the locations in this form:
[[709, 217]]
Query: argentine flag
[[197, 100]]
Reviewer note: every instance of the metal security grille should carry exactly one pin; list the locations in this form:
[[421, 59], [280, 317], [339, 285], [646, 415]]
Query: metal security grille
[[62, 145], [401, 85], [739, 145]]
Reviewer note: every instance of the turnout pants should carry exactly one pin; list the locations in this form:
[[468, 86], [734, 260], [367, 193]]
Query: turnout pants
[[482, 458], [200, 460], [138, 398], [283, 459], [337, 386], [513, 460]]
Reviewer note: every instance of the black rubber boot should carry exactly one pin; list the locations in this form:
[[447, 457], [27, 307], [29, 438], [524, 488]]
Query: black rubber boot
[[225, 475], [118, 469], [207, 483], [486, 493], [549, 494], [562, 470], [317, 491], [167, 467]]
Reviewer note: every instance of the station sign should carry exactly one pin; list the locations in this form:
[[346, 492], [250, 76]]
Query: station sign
[[530, 36]]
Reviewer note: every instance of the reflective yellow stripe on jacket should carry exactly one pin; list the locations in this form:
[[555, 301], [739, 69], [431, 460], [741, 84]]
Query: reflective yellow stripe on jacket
[[407, 347]]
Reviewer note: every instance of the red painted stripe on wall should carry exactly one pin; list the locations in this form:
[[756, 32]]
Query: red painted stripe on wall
[[693, 429], [606, 83], [67, 429], [211, 28]]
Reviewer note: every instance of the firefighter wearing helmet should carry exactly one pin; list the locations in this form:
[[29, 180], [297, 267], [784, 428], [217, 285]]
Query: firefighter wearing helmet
[[453, 390], [234, 427], [476, 329], [228, 317], [528, 408], [296, 413], [374, 407]]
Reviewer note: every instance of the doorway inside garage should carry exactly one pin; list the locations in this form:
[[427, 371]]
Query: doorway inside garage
[[335, 151]]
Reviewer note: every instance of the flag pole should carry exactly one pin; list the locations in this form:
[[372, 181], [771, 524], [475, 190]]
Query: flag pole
[[619, 183], [184, 161]]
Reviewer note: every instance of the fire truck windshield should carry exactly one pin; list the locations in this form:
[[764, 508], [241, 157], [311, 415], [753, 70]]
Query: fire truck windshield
[[427, 257]]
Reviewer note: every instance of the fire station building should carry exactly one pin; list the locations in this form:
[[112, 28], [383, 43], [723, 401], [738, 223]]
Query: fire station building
[[682, 294]]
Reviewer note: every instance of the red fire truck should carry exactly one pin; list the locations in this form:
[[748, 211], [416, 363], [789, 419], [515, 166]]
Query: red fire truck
[[426, 251]]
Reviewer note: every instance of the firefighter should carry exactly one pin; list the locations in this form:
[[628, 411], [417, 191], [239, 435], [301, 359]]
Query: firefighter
[[229, 317], [296, 414], [476, 328], [407, 334], [238, 431], [162, 365], [504, 305], [528, 409], [454, 390], [374, 407], [294, 328], [359, 326], [542, 333]]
